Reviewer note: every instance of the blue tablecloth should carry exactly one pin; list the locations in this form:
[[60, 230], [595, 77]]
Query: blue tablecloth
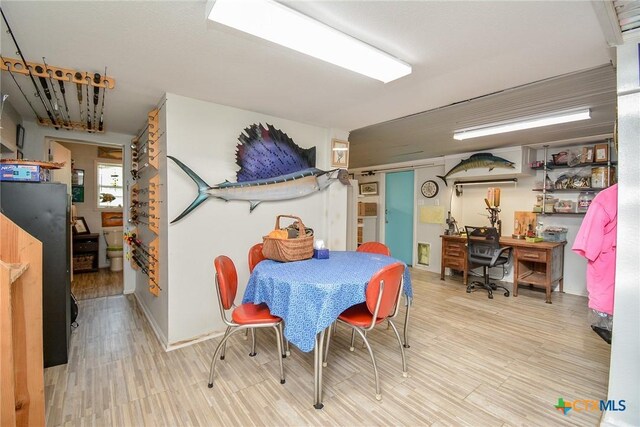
[[310, 295]]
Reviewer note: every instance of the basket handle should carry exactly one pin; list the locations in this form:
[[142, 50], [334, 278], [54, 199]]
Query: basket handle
[[301, 228]]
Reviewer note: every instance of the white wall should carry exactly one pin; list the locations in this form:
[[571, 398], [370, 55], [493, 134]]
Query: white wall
[[430, 233], [204, 137], [156, 307], [35, 148]]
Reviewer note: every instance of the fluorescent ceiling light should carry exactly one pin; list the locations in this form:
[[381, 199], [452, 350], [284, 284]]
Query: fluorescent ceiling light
[[279, 24], [529, 123]]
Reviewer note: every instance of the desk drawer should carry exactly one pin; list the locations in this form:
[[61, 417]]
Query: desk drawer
[[454, 250], [85, 247], [532, 255], [455, 263]]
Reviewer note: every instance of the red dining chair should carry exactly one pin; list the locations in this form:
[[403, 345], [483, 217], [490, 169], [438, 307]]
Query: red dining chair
[[244, 316], [255, 256], [382, 297], [374, 248]]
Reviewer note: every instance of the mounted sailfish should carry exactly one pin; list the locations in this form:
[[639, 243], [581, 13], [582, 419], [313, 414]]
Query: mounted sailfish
[[272, 167], [476, 161]]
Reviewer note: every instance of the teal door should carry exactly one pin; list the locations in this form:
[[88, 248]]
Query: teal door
[[399, 215]]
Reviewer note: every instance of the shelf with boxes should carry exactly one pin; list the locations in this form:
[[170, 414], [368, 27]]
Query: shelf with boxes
[[575, 172], [367, 222], [85, 252]]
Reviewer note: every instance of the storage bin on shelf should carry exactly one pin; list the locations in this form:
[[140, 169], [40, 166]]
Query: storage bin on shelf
[[83, 262], [554, 234], [602, 176], [367, 209], [548, 204], [565, 206], [584, 200]]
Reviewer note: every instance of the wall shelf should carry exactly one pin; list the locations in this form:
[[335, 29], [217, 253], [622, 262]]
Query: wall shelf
[[560, 213], [567, 190], [551, 166], [548, 166]]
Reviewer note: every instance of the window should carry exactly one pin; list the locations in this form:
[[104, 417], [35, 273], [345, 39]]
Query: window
[[110, 185]]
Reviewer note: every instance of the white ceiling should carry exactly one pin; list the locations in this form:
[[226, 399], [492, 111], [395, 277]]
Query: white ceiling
[[458, 50]]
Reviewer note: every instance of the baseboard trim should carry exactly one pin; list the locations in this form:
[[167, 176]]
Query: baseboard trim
[[191, 341], [154, 326]]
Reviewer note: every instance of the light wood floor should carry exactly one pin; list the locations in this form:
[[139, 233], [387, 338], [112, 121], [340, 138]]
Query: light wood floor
[[101, 283], [472, 361]]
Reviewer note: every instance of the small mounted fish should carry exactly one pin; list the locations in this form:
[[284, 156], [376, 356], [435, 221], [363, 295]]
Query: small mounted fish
[[478, 161], [272, 167], [107, 197]]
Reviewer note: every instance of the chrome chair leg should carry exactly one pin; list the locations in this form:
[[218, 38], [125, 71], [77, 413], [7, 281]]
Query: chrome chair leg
[[246, 335], [214, 359], [373, 361], [406, 323], [278, 329], [224, 347], [404, 360], [253, 342], [353, 340]]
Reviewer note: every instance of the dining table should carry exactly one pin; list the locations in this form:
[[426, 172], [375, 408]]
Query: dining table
[[309, 295]]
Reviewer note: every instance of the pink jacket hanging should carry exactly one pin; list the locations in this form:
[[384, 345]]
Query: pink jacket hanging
[[596, 241]]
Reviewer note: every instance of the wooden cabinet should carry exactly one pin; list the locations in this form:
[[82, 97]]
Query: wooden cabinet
[[85, 252], [42, 210], [367, 222], [541, 266], [537, 264], [21, 354], [454, 255]]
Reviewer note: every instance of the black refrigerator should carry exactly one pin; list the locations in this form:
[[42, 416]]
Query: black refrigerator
[[42, 210]]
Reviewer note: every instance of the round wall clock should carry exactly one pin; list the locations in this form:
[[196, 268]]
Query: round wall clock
[[429, 189]]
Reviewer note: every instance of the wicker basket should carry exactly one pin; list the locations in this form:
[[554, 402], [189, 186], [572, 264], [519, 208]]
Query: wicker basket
[[285, 250], [82, 262]]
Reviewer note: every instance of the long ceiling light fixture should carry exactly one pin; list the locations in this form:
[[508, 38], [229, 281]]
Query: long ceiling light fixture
[[528, 123], [272, 21]]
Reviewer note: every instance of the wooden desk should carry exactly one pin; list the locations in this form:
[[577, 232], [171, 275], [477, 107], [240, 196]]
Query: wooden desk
[[538, 264]]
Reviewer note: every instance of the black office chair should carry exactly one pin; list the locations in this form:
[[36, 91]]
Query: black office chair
[[483, 249]]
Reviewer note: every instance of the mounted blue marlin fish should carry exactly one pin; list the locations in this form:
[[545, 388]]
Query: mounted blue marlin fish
[[272, 167], [477, 161]]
